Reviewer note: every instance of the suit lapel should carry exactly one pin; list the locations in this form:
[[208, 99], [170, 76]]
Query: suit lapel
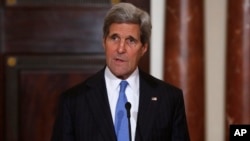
[[99, 105], [98, 101], [147, 107]]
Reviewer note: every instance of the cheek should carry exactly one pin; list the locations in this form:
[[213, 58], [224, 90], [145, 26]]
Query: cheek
[[135, 57], [108, 51]]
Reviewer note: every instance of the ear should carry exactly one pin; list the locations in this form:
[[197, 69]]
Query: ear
[[144, 49]]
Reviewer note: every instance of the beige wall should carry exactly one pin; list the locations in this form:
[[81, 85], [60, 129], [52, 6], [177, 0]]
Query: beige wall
[[215, 19], [215, 29]]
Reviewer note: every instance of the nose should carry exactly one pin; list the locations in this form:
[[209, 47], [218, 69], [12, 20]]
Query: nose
[[121, 47]]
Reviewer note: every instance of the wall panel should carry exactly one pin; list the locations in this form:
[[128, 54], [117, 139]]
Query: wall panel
[[1, 73], [32, 89], [54, 30]]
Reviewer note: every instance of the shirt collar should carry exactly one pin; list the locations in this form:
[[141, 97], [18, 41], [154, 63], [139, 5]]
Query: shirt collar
[[114, 82]]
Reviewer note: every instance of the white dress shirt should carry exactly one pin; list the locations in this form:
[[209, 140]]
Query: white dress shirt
[[132, 93]]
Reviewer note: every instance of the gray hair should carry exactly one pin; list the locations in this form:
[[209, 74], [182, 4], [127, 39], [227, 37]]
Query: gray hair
[[128, 13]]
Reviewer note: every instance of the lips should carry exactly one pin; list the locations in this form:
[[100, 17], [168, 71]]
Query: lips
[[119, 60]]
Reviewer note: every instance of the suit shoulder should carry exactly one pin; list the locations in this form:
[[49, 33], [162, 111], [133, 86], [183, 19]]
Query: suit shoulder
[[85, 85], [155, 82]]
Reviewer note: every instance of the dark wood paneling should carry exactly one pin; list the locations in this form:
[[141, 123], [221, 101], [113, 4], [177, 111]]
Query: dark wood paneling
[[143, 4], [32, 89], [1, 3], [1, 73], [57, 30], [54, 29], [39, 91], [1, 97], [58, 2]]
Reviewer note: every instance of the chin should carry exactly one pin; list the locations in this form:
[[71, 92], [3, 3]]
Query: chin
[[121, 74]]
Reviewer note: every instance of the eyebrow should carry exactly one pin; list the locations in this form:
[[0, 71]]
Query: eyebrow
[[114, 34], [131, 37], [128, 37]]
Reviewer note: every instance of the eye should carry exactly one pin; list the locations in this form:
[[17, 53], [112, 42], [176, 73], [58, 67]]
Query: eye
[[131, 41], [114, 37]]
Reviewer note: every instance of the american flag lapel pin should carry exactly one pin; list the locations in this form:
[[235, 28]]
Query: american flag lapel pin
[[154, 98]]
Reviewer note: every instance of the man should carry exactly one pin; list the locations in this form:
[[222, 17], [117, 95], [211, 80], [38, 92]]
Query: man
[[90, 111]]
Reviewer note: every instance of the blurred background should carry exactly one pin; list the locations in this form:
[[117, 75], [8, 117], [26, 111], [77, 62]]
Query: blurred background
[[47, 46]]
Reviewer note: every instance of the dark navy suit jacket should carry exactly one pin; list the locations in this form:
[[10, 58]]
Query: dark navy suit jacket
[[84, 113]]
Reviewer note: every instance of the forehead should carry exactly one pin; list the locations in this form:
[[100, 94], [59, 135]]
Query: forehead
[[125, 29]]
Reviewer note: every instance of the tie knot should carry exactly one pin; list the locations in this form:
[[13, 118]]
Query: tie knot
[[123, 85]]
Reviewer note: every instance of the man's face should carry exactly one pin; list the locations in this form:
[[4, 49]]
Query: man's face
[[123, 49]]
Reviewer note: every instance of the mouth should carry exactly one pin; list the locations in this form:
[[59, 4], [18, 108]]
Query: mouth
[[119, 60]]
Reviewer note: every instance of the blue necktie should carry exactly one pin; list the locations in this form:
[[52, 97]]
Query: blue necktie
[[121, 121]]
